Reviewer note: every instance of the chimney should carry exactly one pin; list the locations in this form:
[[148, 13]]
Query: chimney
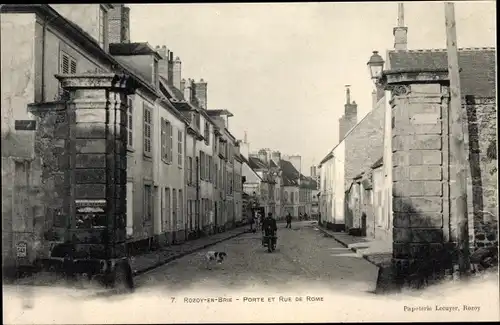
[[347, 94], [276, 156], [188, 90], [245, 138], [183, 85], [401, 32], [176, 73], [263, 155], [126, 24], [119, 24], [200, 92], [350, 117], [163, 64]]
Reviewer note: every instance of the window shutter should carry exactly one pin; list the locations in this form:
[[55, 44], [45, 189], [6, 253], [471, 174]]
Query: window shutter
[[170, 144], [163, 138], [64, 64], [73, 66]]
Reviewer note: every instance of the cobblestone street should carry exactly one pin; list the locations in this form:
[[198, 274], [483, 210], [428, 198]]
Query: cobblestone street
[[304, 257]]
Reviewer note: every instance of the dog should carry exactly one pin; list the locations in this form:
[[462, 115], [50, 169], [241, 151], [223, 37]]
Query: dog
[[214, 257]]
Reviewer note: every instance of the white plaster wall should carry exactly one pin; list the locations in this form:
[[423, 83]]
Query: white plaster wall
[[170, 175], [339, 193], [84, 15], [18, 67]]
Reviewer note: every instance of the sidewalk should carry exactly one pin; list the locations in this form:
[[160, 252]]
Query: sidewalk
[[377, 252], [149, 261]]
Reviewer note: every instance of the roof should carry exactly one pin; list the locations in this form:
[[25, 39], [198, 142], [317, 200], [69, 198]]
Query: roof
[[289, 173], [140, 48], [173, 91], [378, 163], [477, 66], [217, 112], [273, 164], [308, 183], [256, 163]]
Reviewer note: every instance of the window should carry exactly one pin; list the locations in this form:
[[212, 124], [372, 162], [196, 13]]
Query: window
[[130, 127], [166, 141], [181, 204], [166, 212], [148, 126], [210, 171], [174, 209], [148, 203], [179, 147], [207, 169], [102, 26], [207, 133], [216, 175], [67, 65], [202, 165], [190, 170]]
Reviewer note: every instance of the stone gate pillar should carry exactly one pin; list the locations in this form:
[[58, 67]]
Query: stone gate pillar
[[97, 166], [421, 207]]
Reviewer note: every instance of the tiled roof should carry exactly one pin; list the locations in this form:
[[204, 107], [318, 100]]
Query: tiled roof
[[289, 182], [174, 92], [289, 173], [256, 163], [142, 48], [308, 182], [477, 75]]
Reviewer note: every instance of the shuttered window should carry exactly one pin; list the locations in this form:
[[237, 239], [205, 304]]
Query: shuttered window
[[148, 126], [180, 141]]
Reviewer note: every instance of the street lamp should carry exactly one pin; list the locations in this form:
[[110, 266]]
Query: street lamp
[[376, 66]]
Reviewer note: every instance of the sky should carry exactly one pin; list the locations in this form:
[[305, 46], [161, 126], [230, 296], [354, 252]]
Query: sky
[[281, 68]]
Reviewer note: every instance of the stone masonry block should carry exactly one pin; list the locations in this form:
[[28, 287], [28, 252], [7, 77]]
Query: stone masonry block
[[90, 191], [90, 131], [401, 220], [401, 235], [400, 173], [90, 146], [417, 204], [425, 157], [426, 89], [399, 158], [95, 115], [418, 188], [426, 220], [400, 142], [401, 250], [426, 141], [424, 108], [90, 160], [425, 172], [426, 128], [430, 235], [92, 176]]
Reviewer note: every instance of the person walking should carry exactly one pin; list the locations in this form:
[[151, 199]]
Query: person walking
[[288, 221]]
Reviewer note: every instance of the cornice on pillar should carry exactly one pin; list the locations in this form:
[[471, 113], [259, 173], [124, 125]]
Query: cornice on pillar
[[114, 81]]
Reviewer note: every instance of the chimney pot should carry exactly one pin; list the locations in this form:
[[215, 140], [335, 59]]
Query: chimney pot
[[164, 47]]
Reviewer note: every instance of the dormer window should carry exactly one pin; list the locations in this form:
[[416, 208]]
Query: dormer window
[[103, 26]]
